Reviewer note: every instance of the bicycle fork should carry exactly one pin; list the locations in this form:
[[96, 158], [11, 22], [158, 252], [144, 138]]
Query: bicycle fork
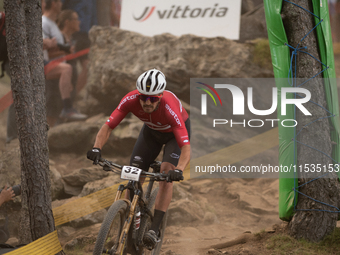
[[128, 221]]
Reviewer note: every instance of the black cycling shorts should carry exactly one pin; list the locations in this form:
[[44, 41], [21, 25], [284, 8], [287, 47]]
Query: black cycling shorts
[[149, 145]]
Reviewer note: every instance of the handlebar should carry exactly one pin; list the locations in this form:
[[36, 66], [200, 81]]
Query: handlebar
[[110, 166]]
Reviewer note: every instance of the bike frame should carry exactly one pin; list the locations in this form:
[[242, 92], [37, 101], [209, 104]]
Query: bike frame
[[135, 187]]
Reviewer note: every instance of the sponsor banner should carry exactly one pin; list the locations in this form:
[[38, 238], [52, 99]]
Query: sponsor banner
[[178, 17]]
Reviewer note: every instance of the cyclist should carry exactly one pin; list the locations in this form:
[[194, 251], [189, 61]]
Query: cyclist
[[167, 123]]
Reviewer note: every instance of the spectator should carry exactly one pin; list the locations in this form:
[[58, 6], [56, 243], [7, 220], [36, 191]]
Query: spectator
[[6, 195], [87, 11], [68, 23], [63, 71]]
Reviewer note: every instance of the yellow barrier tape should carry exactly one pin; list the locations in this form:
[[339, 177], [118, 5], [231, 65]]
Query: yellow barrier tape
[[85, 205], [46, 245], [105, 197]]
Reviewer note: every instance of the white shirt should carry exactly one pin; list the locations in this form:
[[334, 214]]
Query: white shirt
[[50, 30]]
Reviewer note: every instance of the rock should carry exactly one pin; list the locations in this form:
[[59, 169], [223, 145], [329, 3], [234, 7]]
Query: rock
[[74, 182], [79, 137], [66, 231], [247, 5], [210, 218], [75, 137], [169, 252], [90, 219], [10, 174], [10, 168], [124, 137], [184, 211], [80, 177], [72, 190], [180, 193], [57, 203], [253, 24], [12, 241], [185, 185], [250, 200], [118, 57], [244, 251], [213, 252], [205, 190], [94, 186], [57, 186], [270, 230], [79, 241]]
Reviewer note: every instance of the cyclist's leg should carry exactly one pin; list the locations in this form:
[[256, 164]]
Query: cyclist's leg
[[163, 199], [170, 160], [171, 156]]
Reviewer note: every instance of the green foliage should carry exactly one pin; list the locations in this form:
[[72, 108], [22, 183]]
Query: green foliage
[[284, 244], [261, 53]]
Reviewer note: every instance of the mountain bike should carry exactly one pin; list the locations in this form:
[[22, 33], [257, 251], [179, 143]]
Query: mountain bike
[[127, 220]]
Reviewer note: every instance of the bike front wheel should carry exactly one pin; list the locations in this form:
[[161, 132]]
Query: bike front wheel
[[108, 237], [146, 224]]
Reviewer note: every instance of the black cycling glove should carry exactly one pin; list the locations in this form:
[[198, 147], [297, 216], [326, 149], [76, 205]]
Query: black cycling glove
[[175, 175], [94, 155]]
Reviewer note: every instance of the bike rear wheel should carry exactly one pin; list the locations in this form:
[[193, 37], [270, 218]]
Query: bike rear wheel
[[111, 228]]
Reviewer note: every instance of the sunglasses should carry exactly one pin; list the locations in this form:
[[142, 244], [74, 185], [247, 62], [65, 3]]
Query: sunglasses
[[152, 99]]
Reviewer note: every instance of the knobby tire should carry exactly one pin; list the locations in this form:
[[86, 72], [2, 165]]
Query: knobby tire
[[115, 215]]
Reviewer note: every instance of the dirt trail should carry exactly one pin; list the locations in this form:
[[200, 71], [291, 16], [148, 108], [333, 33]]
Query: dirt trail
[[238, 206]]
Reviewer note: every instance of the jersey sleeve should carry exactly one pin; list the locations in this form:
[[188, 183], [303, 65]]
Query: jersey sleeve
[[181, 135], [116, 117], [178, 125], [119, 113]]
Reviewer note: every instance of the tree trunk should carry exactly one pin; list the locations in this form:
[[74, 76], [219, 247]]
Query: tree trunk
[[308, 222], [24, 40]]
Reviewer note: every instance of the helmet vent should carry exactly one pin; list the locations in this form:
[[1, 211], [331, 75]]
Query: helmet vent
[[151, 82]]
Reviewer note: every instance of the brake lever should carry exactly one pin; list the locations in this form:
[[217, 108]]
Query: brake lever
[[107, 168]]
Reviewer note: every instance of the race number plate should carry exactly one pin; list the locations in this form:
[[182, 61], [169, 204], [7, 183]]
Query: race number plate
[[130, 173]]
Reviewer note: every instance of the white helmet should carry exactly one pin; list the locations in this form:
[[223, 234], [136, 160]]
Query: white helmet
[[151, 82]]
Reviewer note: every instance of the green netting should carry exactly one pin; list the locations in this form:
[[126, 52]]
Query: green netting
[[281, 62]]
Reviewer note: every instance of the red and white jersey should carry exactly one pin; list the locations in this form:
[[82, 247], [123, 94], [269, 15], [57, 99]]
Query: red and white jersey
[[170, 116]]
